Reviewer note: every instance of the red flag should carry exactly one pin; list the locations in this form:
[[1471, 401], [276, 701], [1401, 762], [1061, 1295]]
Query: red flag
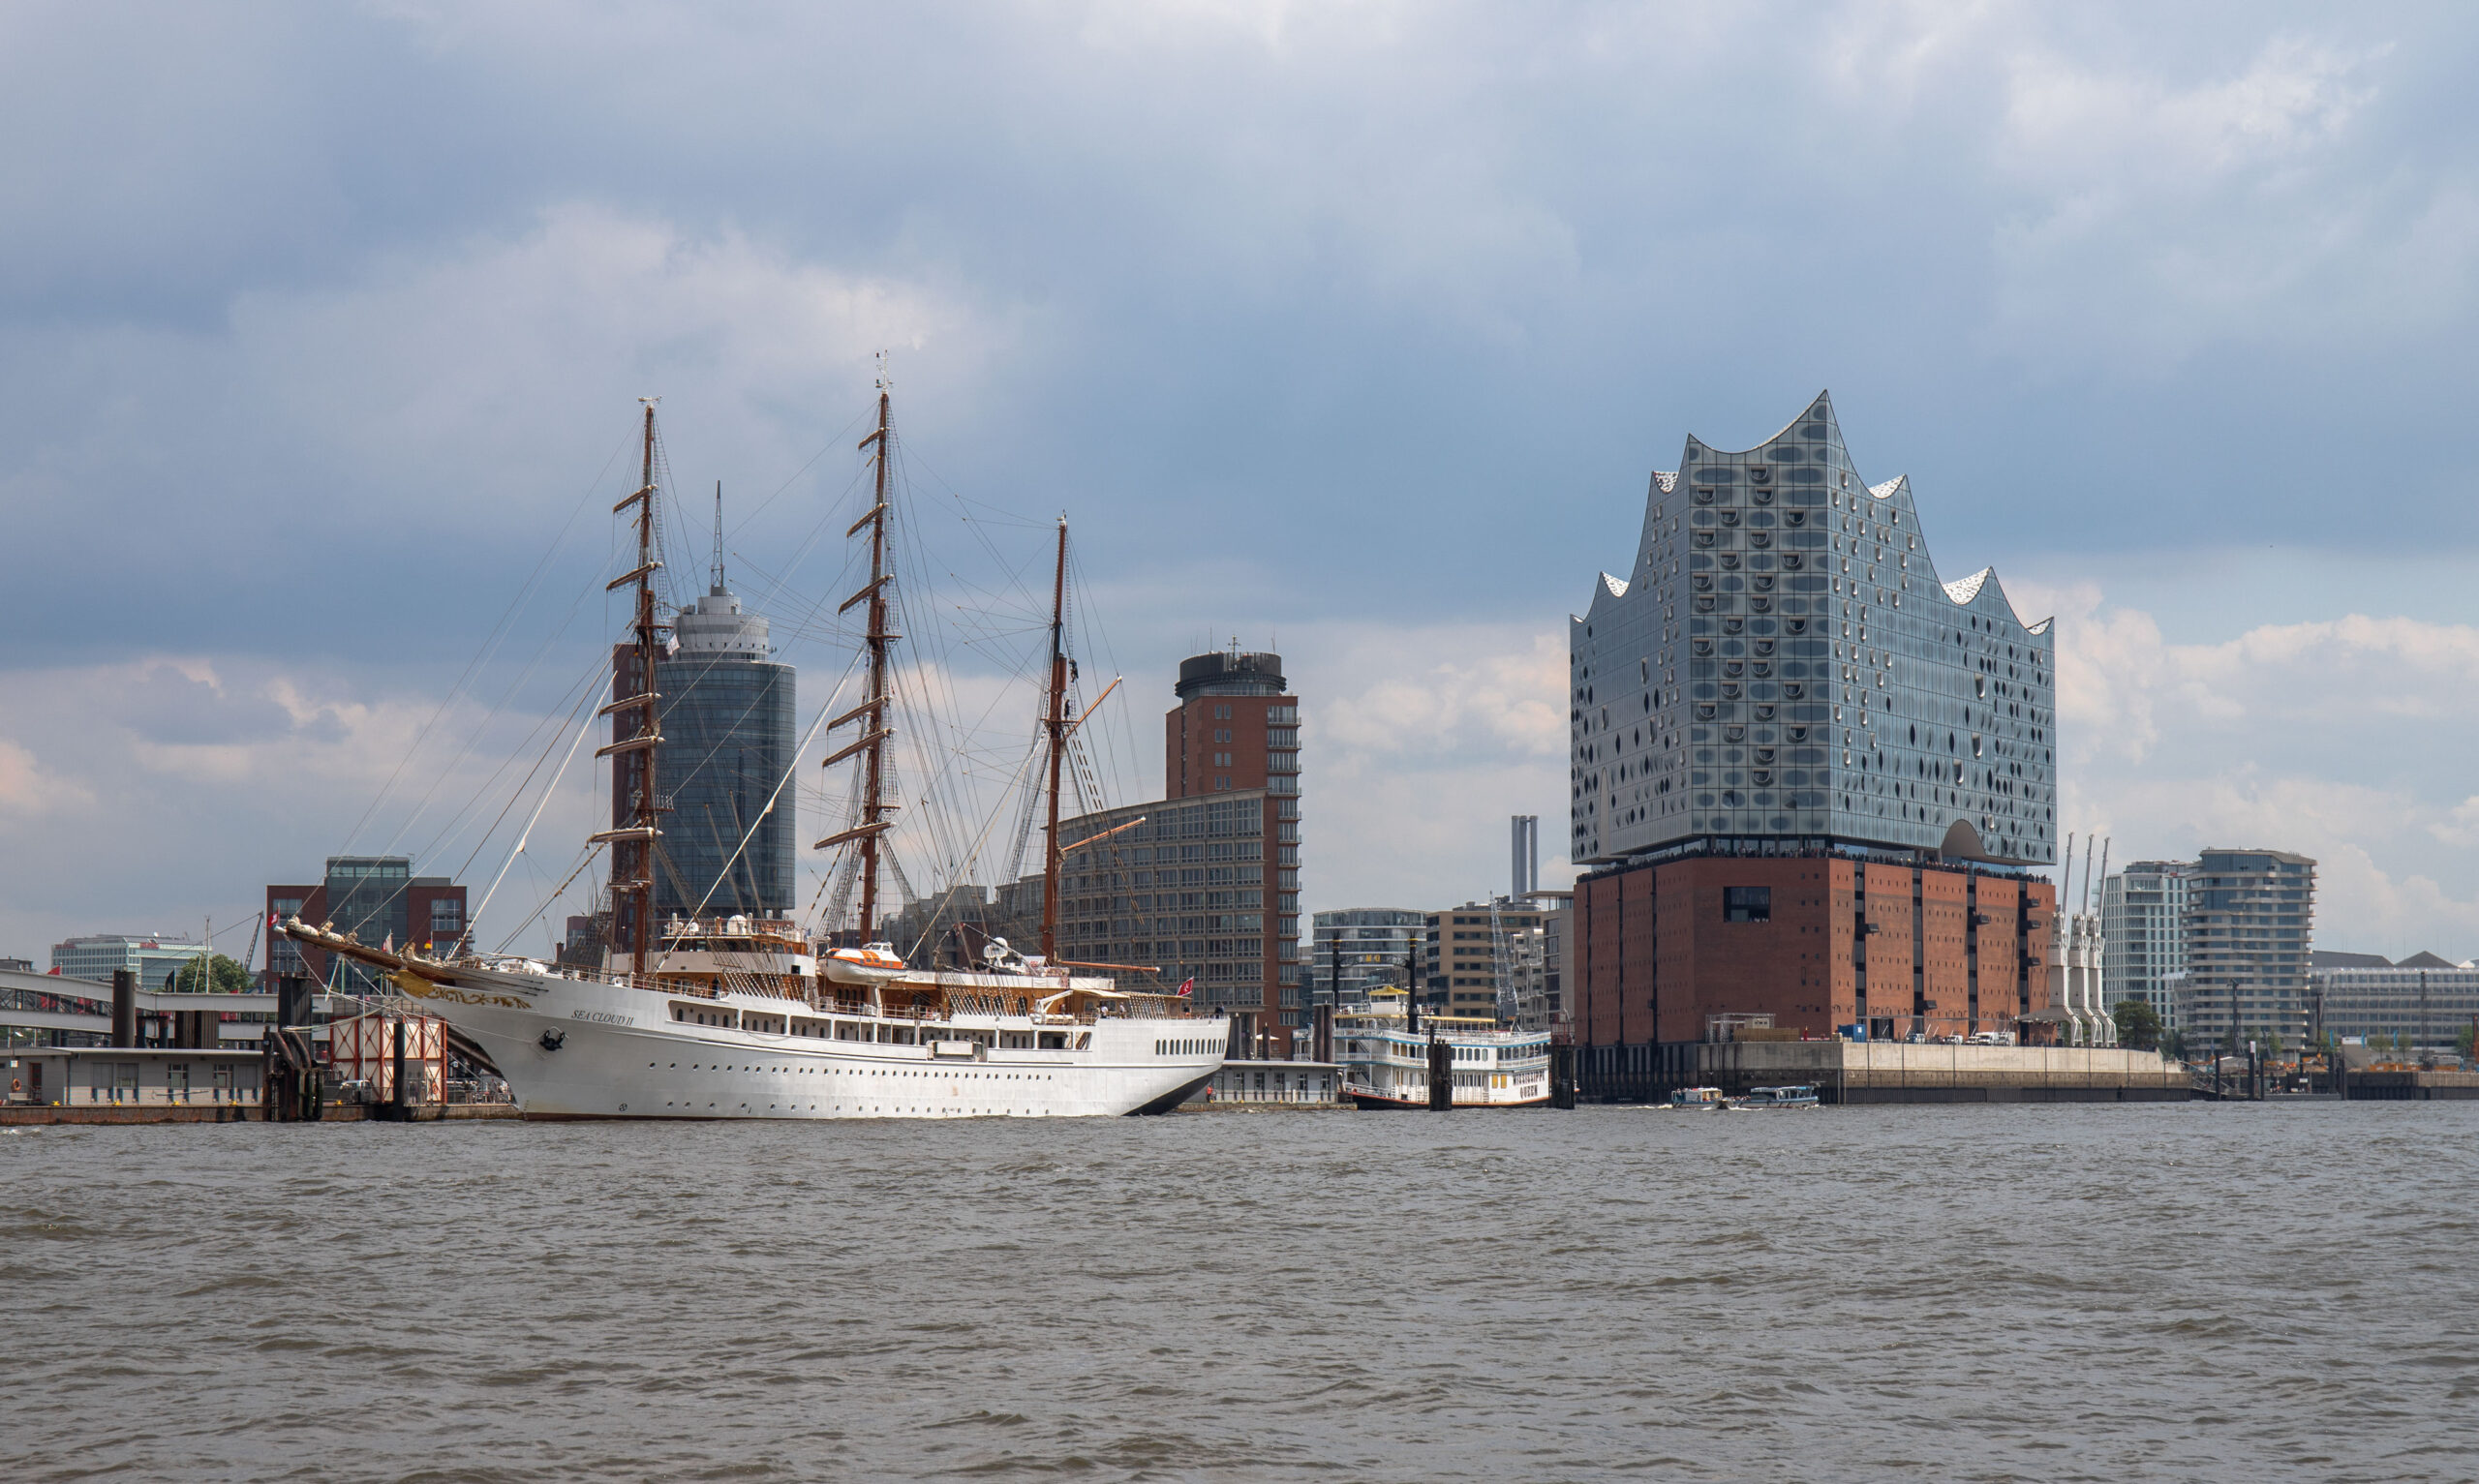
[[1185, 985]]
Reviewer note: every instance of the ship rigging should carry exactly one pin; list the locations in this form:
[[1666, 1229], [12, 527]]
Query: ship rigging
[[774, 1019]]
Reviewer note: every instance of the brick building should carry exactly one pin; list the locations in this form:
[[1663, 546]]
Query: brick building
[[377, 898], [1208, 887], [1816, 941]]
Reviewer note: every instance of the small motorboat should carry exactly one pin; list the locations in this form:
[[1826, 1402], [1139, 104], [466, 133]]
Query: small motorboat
[[872, 963], [1696, 1100], [1777, 1097]]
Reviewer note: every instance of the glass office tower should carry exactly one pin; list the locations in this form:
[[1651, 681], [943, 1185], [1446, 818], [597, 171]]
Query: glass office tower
[[728, 727]]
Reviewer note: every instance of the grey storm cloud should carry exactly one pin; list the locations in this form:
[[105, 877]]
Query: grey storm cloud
[[1328, 285], [324, 328]]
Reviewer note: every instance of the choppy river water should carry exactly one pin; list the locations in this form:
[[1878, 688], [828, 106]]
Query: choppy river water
[[2190, 1291]]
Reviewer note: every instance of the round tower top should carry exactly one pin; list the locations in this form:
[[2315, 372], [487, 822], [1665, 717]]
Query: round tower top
[[1231, 673], [714, 626]]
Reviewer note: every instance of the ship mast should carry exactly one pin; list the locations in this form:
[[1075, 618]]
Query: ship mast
[[632, 833], [1055, 724], [872, 712]]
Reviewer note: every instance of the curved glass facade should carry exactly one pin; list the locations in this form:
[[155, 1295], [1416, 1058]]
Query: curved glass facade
[[1783, 661], [728, 725]]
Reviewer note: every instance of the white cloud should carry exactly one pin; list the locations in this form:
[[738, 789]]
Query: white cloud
[[1440, 691], [2083, 127], [2340, 740], [2461, 824], [28, 789], [2343, 741], [179, 785], [1418, 742]]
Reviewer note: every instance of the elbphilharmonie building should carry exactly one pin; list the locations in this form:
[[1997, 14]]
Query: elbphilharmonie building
[[1782, 662], [1810, 778]]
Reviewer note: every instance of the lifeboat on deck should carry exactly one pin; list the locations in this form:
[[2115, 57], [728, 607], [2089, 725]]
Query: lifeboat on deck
[[872, 963]]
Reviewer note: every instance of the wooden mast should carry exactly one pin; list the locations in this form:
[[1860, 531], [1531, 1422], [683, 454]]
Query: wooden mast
[[1056, 725], [872, 712], [634, 832]]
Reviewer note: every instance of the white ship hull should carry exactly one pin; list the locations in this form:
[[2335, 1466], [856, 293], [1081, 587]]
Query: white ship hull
[[580, 1047]]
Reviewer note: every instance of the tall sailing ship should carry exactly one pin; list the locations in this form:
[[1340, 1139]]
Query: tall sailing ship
[[748, 1016]]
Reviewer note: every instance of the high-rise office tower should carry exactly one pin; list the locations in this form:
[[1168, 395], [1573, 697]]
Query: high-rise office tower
[[1811, 772], [728, 735]]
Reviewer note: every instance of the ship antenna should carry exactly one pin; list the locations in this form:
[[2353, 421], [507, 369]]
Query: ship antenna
[[872, 712], [1055, 724]]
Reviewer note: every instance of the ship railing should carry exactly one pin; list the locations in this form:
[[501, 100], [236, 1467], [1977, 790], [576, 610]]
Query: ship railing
[[677, 928], [825, 998]]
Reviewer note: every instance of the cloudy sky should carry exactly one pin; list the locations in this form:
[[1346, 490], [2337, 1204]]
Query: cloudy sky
[[1349, 330]]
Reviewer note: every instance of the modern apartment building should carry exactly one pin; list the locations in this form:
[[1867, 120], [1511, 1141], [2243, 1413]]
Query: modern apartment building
[[2250, 917], [1482, 959], [1809, 777], [2143, 930], [1208, 887], [1354, 949]]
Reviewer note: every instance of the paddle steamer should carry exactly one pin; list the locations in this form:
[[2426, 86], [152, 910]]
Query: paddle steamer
[[1392, 1057]]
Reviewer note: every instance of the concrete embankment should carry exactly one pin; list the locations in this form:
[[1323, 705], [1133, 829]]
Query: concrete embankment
[[1895, 1071], [2412, 1087], [157, 1112]]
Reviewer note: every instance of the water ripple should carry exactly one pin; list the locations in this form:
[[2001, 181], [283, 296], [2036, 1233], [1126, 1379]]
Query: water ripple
[[2192, 1292]]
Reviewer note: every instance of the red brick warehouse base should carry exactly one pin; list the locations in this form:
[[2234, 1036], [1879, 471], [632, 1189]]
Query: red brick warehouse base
[[1816, 941]]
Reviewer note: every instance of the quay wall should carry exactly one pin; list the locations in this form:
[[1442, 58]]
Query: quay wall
[[2413, 1086], [1886, 1072], [247, 1113]]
